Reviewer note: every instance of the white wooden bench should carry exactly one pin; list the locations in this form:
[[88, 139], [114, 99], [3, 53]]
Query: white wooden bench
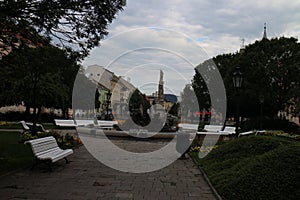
[[253, 132], [64, 123], [213, 128], [209, 129], [46, 149], [107, 124], [230, 130], [25, 126], [188, 126], [83, 122], [29, 127]]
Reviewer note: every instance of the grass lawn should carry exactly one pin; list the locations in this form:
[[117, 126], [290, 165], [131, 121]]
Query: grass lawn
[[256, 167], [13, 154]]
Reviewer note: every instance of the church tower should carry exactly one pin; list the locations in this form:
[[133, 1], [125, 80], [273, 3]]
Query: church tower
[[242, 49], [265, 31], [160, 95]]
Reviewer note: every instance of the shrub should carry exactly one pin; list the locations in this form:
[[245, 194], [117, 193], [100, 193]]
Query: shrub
[[64, 141], [255, 167]]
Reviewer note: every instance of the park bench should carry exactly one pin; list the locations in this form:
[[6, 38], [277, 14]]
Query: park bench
[[208, 129], [188, 126], [103, 124], [106, 124], [83, 122], [213, 128], [46, 150], [64, 123], [29, 127], [253, 132]]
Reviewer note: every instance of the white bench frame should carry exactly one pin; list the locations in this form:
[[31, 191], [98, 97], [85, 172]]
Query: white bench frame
[[209, 129], [80, 122], [26, 126], [46, 149]]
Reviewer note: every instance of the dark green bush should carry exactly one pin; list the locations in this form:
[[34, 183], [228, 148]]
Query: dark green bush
[[261, 167], [64, 141]]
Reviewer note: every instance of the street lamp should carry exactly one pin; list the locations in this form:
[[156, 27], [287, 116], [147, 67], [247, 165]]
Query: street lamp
[[237, 78], [108, 96], [261, 101]]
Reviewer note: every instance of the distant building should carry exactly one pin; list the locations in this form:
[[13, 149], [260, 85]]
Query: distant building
[[169, 101], [109, 83]]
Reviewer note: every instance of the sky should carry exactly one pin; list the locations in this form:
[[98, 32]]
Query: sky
[[175, 36]]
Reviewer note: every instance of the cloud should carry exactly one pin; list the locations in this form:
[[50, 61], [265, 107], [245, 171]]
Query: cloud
[[192, 31]]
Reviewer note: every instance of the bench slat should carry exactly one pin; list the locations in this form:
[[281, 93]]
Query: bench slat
[[47, 149], [81, 122], [55, 155], [43, 146]]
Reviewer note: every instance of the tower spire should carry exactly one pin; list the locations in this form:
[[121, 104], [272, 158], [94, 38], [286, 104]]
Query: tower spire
[[265, 31], [160, 95], [242, 49]]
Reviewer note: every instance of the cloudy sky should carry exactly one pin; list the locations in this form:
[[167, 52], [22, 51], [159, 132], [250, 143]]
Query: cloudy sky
[[175, 36]]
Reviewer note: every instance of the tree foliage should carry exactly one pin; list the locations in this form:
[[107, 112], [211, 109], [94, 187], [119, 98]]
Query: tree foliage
[[271, 70], [138, 106], [189, 104], [74, 24], [42, 76]]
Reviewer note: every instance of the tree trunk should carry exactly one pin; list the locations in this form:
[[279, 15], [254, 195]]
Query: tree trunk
[[63, 113], [39, 112], [27, 113]]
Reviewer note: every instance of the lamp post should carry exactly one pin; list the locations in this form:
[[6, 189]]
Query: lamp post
[[108, 96], [261, 101], [237, 78]]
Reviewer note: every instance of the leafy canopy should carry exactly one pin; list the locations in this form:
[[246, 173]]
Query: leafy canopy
[[270, 69], [41, 76], [74, 24]]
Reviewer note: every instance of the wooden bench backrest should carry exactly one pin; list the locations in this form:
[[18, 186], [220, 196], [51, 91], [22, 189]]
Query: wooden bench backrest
[[229, 129], [24, 125], [188, 126], [213, 128], [42, 145], [58, 122], [81, 122], [107, 123]]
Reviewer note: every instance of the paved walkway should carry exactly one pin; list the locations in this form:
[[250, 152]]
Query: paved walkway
[[86, 178]]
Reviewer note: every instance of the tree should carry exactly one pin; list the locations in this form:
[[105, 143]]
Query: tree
[[174, 109], [74, 24], [270, 68], [138, 106], [41, 76], [201, 90], [189, 104]]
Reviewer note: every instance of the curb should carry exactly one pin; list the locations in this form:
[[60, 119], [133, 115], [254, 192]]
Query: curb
[[207, 180]]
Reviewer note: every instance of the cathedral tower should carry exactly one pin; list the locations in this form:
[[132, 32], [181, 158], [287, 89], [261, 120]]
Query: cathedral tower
[[160, 94]]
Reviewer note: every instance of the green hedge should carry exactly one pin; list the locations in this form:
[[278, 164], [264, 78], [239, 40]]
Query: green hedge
[[255, 168], [65, 141]]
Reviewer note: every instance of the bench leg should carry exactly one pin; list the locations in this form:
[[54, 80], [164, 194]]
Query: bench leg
[[49, 165], [35, 163], [67, 161], [47, 162]]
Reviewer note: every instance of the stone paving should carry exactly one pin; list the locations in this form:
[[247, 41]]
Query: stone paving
[[86, 178]]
